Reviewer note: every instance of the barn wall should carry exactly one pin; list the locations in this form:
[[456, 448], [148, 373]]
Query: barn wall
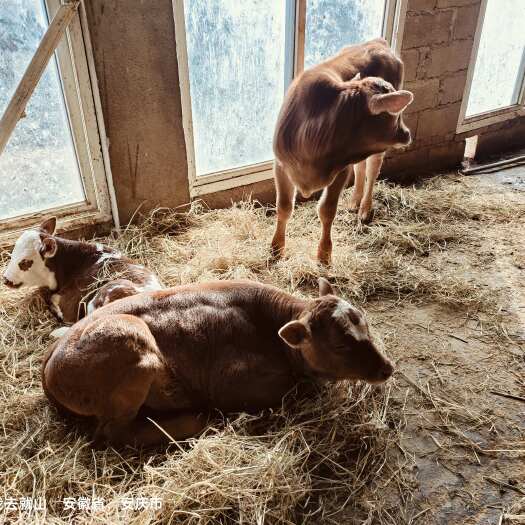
[[136, 62], [436, 48], [135, 58]]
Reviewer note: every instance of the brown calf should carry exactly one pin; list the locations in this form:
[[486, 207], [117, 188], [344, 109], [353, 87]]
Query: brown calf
[[66, 271], [230, 345], [347, 110]]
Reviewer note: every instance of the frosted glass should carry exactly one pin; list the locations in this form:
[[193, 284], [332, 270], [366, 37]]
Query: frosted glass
[[38, 168], [236, 65], [333, 24], [499, 63]]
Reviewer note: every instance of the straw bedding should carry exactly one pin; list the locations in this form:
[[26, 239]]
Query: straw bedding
[[322, 461]]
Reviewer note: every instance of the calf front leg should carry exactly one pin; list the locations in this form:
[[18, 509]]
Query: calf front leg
[[326, 210], [285, 196], [373, 167], [359, 183]]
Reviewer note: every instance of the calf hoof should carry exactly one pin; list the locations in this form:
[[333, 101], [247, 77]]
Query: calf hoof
[[366, 216], [276, 251], [324, 257], [99, 443], [324, 260], [57, 333], [354, 204], [99, 440]]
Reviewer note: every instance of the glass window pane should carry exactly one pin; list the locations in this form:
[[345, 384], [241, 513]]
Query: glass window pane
[[38, 168], [501, 57], [333, 24], [236, 65]]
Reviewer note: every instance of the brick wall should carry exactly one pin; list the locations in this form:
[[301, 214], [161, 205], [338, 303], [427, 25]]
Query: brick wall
[[436, 48]]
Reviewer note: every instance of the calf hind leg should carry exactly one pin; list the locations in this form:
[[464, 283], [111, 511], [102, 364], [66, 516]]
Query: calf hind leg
[[130, 430], [359, 183], [104, 369], [373, 167], [118, 422]]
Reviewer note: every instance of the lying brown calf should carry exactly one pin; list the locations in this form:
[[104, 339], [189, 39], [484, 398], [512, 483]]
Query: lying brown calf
[[230, 345], [66, 272], [344, 111]]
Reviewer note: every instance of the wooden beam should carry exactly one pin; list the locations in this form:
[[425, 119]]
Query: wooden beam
[[289, 42], [300, 30], [16, 108]]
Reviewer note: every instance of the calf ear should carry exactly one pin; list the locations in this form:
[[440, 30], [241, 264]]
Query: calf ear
[[49, 225], [294, 333], [393, 103], [49, 247], [325, 288]]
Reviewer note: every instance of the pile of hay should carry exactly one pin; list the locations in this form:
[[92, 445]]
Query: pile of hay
[[400, 255], [279, 466], [310, 461]]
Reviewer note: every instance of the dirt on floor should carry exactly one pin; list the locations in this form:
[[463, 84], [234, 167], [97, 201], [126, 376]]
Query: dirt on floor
[[462, 438], [440, 273]]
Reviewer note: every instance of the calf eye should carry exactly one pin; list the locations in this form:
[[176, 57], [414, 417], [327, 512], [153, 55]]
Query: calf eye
[[354, 317], [25, 264]]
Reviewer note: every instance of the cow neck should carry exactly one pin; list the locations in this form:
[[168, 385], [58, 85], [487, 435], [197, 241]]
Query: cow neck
[[281, 308], [72, 258]]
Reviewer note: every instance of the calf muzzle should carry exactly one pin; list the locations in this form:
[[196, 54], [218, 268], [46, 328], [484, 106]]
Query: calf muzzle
[[10, 284], [386, 371]]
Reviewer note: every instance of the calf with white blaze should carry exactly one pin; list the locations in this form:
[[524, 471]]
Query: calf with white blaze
[[67, 272], [187, 351]]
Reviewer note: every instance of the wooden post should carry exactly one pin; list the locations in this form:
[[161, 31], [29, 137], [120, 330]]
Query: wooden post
[[16, 108], [300, 30]]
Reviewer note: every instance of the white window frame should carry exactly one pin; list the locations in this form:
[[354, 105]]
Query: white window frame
[[486, 118], [393, 23], [75, 63]]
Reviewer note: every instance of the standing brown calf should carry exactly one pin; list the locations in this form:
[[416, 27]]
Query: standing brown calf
[[347, 110], [230, 345]]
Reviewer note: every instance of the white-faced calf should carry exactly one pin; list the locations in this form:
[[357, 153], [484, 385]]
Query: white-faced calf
[[185, 351], [347, 110], [68, 272]]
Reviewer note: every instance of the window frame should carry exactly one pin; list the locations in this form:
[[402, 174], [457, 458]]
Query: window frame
[[393, 23], [493, 116], [74, 59]]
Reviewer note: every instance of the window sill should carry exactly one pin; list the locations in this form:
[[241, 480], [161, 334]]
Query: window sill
[[491, 117], [221, 181], [85, 224]]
